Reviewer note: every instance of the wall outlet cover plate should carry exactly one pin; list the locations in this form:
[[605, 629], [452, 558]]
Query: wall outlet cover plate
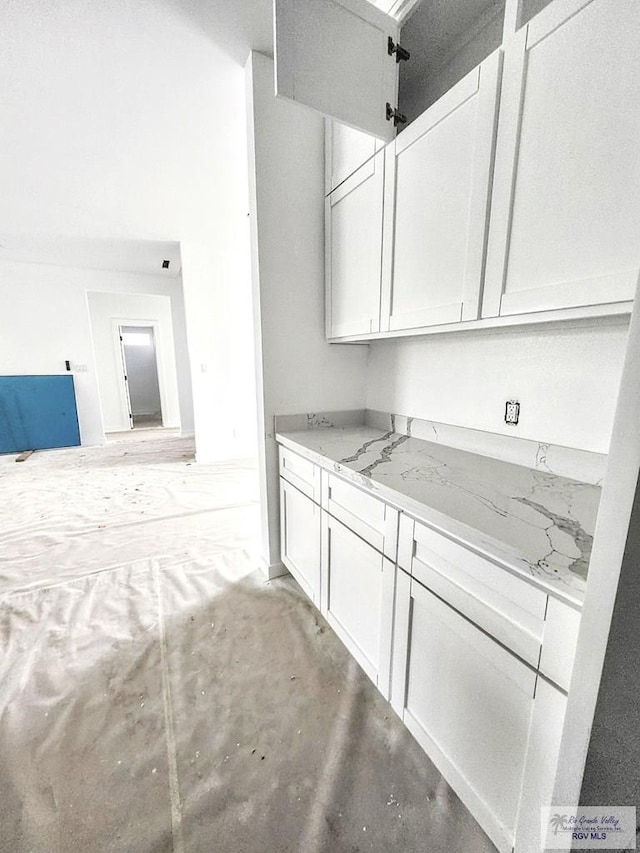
[[512, 412]]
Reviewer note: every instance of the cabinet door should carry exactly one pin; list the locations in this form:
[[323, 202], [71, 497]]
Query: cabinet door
[[332, 56], [346, 150], [468, 702], [437, 206], [565, 210], [353, 243], [542, 762], [357, 598], [300, 538]]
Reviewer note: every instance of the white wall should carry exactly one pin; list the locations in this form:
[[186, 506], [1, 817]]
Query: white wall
[[45, 320], [566, 380], [124, 120], [299, 371], [106, 311]]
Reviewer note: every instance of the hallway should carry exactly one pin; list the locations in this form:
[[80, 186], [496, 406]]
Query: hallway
[[157, 695]]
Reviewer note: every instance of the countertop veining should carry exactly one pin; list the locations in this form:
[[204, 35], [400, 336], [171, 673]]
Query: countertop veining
[[534, 523]]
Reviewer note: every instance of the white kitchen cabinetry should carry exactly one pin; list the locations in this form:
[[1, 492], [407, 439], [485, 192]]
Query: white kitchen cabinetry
[[475, 660], [475, 652], [300, 538], [541, 765], [357, 598], [538, 220], [333, 57], [468, 702], [369, 518], [438, 180], [300, 521], [565, 211], [346, 150], [359, 538], [353, 241]]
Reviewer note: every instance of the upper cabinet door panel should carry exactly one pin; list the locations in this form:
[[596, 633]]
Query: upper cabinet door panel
[[332, 56], [346, 149], [353, 244], [565, 211], [442, 174]]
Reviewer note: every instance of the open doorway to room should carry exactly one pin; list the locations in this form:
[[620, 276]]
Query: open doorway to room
[[141, 359], [140, 373]]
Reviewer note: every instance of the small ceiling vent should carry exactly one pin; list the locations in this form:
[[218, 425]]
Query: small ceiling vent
[[165, 265]]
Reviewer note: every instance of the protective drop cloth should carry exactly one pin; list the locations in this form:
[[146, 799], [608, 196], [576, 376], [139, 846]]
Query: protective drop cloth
[[156, 694]]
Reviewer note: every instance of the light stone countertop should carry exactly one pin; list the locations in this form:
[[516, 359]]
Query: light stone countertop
[[533, 523]]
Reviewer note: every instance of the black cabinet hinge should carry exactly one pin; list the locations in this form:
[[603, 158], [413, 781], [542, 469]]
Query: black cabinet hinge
[[396, 115], [402, 54]]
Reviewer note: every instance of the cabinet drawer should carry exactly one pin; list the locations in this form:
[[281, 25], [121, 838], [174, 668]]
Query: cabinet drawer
[[368, 517], [510, 610], [301, 473], [559, 642]]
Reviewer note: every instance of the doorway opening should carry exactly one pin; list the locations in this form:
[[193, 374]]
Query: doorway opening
[[140, 363]]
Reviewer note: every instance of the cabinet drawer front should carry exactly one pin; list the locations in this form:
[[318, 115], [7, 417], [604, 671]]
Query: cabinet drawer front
[[300, 538], [560, 641], [301, 473], [469, 704], [509, 609], [367, 516]]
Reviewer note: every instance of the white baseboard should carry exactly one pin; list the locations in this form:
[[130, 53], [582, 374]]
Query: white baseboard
[[273, 570]]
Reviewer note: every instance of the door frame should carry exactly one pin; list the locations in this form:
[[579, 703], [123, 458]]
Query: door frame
[[123, 389]]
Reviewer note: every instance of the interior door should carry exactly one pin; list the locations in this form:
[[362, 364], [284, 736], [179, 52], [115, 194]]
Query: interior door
[[127, 397], [333, 57]]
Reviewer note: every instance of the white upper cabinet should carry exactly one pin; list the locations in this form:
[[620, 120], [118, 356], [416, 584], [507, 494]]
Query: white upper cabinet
[[436, 210], [333, 57], [565, 213], [346, 149], [353, 243]]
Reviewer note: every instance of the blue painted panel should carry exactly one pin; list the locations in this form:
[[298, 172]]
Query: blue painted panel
[[37, 412]]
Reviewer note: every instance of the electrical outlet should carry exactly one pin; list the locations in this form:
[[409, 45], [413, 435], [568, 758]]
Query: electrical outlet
[[512, 412]]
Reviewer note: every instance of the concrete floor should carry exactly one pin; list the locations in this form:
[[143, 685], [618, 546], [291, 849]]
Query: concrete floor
[[157, 695]]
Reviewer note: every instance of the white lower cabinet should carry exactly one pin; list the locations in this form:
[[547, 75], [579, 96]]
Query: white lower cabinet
[[468, 702], [476, 661], [540, 768], [357, 598], [300, 538]]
